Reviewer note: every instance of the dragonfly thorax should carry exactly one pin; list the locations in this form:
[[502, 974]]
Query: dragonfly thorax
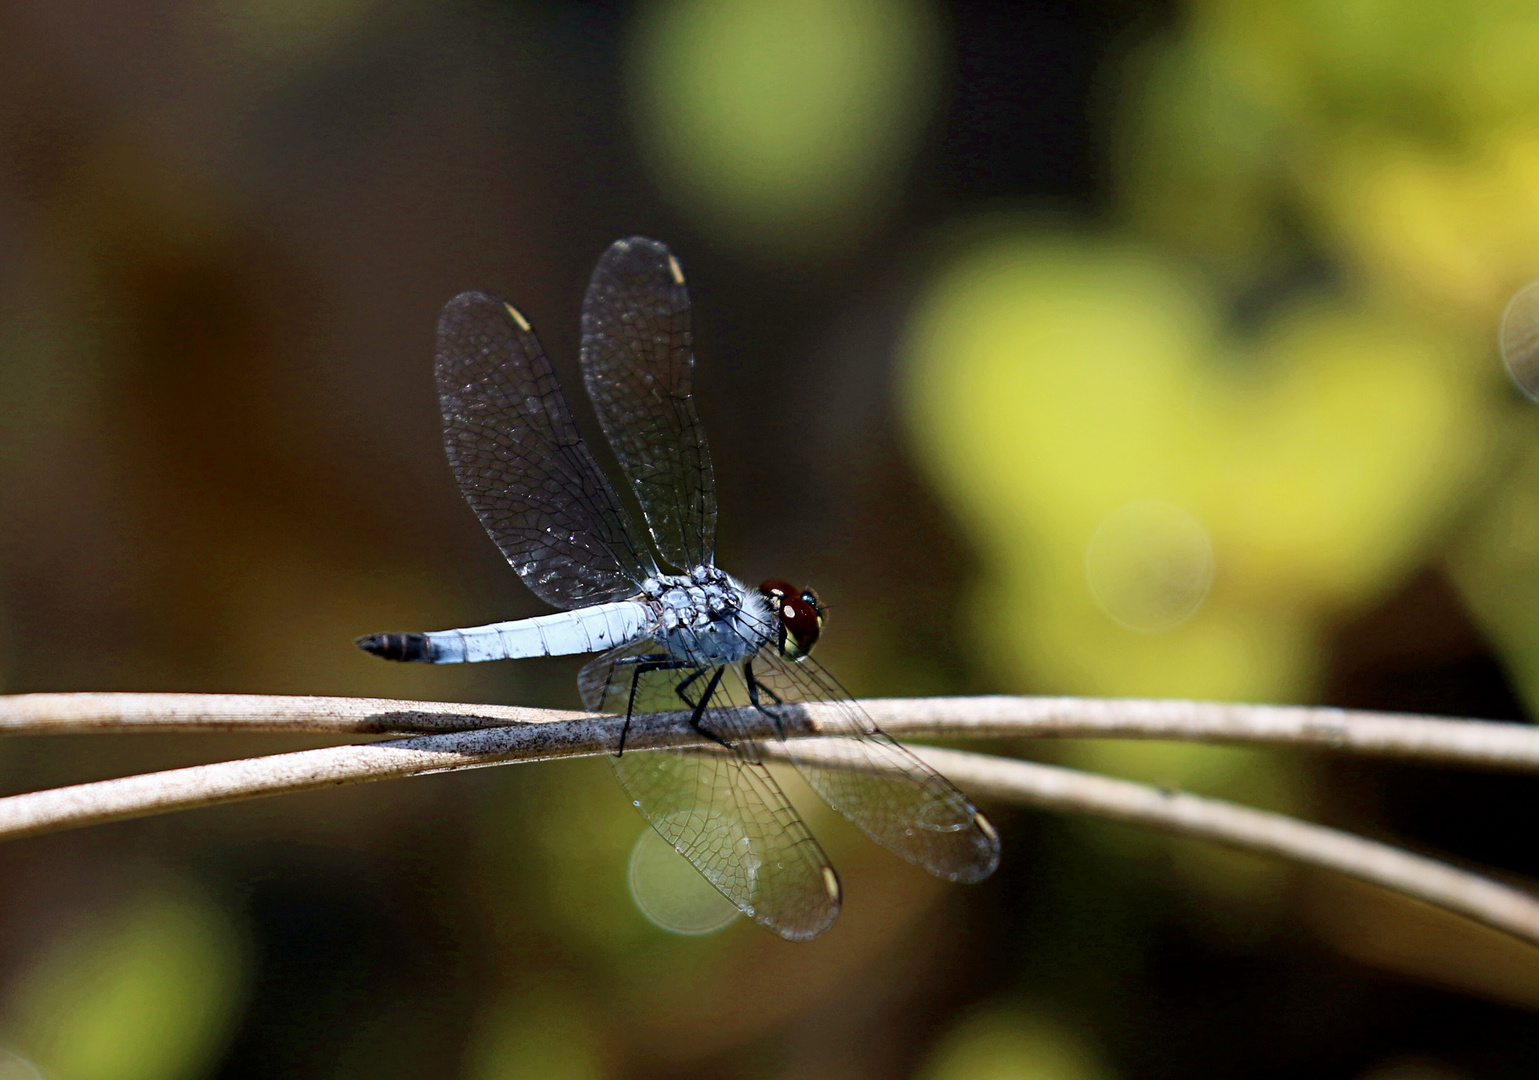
[[709, 617]]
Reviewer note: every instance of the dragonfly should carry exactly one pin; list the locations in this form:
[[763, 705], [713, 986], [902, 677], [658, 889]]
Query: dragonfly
[[674, 631]]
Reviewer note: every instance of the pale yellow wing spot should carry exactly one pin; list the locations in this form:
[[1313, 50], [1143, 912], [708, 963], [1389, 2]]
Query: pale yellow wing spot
[[987, 826], [675, 270], [523, 323], [831, 884]]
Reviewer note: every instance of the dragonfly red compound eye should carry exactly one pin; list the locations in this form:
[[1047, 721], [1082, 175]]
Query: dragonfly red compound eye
[[802, 623], [776, 588]]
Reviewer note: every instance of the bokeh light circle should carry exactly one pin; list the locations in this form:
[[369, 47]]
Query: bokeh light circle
[[15, 1067], [1520, 340], [671, 893], [1149, 565], [785, 126]]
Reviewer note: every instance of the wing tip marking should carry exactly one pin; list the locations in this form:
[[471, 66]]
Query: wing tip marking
[[675, 270], [832, 886], [518, 317]]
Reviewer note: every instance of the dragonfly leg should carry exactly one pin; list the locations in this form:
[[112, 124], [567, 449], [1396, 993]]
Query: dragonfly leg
[[683, 686], [754, 686], [710, 688], [640, 666]]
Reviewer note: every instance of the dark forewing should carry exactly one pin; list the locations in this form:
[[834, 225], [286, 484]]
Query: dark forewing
[[638, 363], [723, 811], [522, 465], [888, 793]]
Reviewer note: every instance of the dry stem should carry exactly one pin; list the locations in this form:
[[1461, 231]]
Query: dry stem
[[1431, 739], [568, 735]]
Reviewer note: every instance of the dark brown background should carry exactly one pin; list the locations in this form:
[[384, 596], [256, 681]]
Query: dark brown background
[[219, 276]]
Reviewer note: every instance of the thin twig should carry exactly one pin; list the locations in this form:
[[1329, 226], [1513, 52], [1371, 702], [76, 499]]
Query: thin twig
[[1455, 742], [1052, 787], [98, 713], [1486, 901], [233, 781]]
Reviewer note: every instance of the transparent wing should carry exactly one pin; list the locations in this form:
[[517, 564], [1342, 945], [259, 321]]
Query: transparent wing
[[888, 793], [721, 810], [521, 463], [638, 363]]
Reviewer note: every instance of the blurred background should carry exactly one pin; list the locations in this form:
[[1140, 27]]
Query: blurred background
[[1074, 346]]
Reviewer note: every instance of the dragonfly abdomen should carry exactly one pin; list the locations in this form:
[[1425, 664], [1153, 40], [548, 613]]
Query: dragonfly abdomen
[[591, 629]]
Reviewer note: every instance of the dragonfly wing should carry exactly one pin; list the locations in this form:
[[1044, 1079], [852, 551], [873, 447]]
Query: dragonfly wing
[[608, 682], [521, 463], [722, 810], [888, 793], [639, 365]]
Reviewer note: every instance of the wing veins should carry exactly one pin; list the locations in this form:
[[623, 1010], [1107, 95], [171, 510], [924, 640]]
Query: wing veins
[[638, 366], [723, 810], [521, 461]]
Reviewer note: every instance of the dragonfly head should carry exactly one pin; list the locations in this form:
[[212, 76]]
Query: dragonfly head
[[800, 615]]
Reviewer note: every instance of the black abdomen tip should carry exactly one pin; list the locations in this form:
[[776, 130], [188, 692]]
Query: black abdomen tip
[[396, 646]]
